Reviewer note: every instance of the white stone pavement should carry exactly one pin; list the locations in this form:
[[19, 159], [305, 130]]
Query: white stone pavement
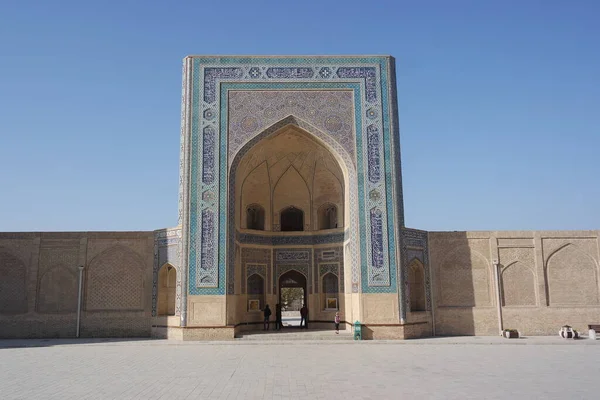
[[437, 368]]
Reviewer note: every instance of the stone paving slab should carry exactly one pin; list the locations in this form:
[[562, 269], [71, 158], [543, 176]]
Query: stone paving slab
[[437, 368], [275, 339]]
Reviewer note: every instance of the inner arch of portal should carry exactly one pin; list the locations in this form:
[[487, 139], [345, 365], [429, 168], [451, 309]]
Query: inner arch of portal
[[291, 166]]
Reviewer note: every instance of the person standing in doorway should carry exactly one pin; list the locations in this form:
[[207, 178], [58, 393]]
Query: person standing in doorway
[[304, 316], [337, 323], [278, 323], [267, 314]]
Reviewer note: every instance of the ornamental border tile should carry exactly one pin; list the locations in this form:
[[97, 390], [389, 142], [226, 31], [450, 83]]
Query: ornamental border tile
[[203, 107]]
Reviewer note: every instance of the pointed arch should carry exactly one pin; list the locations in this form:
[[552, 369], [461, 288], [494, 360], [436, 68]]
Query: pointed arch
[[350, 198], [57, 291], [291, 219], [346, 164], [292, 194], [167, 290], [327, 216], [416, 285], [115, 281], [567, 268], [255, 191], [517, 285], [330, 289], [466, 277], [255, 217], [255, 289], [13, 284]]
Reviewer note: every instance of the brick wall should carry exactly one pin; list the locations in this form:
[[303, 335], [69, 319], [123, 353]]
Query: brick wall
[[548, 279], [39, 279]]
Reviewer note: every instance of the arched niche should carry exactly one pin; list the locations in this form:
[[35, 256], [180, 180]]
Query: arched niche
[[255, 289], [327, 216], [518, 285], [255, 194], [255, 217], [416, 286], [330, 288], [57, 291], [13, 284], [292, 196], [291, 219], [167, 287], [328, 193], [465, 275], [115, 281], [567, 268]]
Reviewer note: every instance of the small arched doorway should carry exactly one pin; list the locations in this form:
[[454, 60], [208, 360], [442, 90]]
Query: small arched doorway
[[292, 296]]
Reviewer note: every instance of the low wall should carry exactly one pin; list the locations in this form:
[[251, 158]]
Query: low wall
[[547, 279], [40, 283]]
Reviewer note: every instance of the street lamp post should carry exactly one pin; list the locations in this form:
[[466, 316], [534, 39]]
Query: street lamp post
[[79, 296], [499, 295]]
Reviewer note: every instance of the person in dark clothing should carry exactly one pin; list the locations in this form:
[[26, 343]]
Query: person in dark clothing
[[278, 323], [267, 314], [304, 316]]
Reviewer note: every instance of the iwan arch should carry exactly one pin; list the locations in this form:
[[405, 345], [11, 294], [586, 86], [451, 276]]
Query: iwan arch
[[290, 174]]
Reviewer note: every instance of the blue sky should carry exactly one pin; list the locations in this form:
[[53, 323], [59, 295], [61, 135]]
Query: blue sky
[[499, 104]]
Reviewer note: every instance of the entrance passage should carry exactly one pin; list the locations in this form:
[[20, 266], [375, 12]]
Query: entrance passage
[[292, 296]]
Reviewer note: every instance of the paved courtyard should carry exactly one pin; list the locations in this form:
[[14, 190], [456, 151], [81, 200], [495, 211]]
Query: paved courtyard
[[458, 368]]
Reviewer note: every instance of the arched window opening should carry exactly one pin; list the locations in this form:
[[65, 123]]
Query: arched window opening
[[330, 292], [327, 217], [167, 286], [255, 217], [416, 286], [292, 219], [256, 292]]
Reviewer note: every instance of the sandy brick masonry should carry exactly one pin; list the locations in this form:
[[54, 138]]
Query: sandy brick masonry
[[548, 279], [39, 283], [441, 368]]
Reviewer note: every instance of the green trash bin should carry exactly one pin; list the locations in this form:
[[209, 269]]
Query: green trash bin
[[357, 331]]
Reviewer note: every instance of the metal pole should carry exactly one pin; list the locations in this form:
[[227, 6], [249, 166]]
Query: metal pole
[[79, 299], [499, 297]]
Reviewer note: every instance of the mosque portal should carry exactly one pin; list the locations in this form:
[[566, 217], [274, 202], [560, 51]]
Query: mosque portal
[[290, 179]]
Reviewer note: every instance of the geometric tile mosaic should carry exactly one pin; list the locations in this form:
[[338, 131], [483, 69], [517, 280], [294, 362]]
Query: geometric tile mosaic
[[207, 151]]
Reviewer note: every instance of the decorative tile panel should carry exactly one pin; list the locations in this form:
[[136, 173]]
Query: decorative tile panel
[[329, 267], [208, 155], [373, 151], [378, 273], [331, 111], [292, 255], [329, 256], [207, 275], [208, 80], [294, 72], [251, 238], [370, 76], [256, 256], [293, 259]]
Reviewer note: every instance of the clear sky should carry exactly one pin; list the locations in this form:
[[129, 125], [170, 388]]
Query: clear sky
[[499, 104]]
